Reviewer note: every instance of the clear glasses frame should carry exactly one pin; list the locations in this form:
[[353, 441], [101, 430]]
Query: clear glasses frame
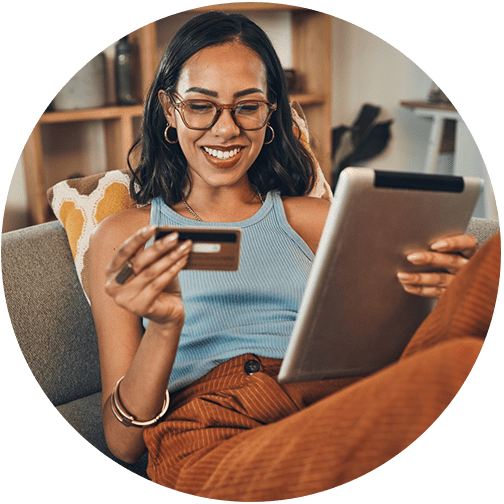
[[179, 107]]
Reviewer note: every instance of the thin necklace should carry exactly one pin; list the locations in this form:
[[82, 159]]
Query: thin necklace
[[198, 218], [191, 211]]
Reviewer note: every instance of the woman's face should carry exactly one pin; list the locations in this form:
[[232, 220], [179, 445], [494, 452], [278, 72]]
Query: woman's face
[[225, 74]]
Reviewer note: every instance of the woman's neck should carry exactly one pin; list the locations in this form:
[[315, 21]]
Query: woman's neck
[[222, 204]]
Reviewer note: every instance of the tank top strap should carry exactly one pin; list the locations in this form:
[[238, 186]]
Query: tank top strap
[[284, 224]]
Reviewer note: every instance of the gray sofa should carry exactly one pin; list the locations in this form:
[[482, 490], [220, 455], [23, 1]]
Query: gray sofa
[[53, 323], [54, 326]]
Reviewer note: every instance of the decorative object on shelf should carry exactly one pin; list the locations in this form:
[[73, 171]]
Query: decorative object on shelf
[[291, 78], [364, 140], [436, 95], [86, 89], [124, 72]]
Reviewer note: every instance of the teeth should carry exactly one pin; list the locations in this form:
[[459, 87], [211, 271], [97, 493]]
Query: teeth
[[222, 154]]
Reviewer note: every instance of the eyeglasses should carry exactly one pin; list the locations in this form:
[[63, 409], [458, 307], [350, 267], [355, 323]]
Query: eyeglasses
[[203, 114]]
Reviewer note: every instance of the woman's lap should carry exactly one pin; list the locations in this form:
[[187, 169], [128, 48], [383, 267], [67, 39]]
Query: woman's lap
[[236, 436], [228, 444]]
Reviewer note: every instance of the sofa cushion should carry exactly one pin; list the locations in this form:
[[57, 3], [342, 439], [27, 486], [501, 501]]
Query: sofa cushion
[[49, 313], [482, 229], [81, 204]]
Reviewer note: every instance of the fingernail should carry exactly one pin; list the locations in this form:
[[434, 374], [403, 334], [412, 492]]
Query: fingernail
[[414, 289], [439, 245], [404, 276], [186, 245], [171, 237], [146, 230], [415, 257]]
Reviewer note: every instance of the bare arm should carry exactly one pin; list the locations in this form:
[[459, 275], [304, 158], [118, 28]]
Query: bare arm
[[144, 359], [307, 217]]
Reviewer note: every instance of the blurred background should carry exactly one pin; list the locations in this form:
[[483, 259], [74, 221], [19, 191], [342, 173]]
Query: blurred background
[[366, 104]]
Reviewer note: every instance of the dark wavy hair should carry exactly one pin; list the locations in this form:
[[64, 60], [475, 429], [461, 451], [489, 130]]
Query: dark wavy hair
[[284, 165]]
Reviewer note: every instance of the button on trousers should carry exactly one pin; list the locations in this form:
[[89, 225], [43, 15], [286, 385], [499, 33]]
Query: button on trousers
[[238, 436]]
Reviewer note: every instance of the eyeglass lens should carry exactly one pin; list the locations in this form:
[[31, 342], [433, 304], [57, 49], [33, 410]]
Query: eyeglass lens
[[247, 114]]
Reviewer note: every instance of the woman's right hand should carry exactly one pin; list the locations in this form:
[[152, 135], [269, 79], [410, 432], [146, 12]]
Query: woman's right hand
[[142, 357], [153, 291]]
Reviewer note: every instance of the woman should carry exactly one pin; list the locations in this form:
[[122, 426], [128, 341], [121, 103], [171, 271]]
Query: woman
[[217, 149]]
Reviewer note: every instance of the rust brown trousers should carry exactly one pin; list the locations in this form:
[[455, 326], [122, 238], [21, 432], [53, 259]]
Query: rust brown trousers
[[243, 437]]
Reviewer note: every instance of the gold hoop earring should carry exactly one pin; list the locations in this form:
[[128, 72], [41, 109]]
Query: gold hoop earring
[[272, 134], [166, 134]]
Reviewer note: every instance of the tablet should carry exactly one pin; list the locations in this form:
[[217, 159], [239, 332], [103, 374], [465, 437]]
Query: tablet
[[355, 318]]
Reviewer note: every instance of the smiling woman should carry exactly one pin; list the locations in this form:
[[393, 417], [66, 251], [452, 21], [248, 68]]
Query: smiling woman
[[218, 149], [185, 73], [221, 140]]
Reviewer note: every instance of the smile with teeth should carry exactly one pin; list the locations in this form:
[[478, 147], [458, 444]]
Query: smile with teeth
[[222, 154]]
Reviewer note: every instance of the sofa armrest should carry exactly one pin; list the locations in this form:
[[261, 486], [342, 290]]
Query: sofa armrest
[[482, 229], [50, 315], [85, 417]]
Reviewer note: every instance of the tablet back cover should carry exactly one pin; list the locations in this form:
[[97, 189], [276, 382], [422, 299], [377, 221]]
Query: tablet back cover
[[355, 317]]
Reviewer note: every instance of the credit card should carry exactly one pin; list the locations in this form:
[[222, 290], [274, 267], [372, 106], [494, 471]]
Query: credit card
[[214, 249]]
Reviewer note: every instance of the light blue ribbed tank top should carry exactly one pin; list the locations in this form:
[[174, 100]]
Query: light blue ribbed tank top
[[252, 310]]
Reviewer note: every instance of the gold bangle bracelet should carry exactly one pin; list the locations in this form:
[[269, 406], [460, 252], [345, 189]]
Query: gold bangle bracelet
[[129, 420]]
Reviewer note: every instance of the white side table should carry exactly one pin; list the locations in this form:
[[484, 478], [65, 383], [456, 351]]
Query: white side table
[[467, 158], [438, 113]]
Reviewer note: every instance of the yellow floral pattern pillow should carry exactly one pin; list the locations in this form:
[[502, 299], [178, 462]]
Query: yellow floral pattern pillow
[[80, 204]]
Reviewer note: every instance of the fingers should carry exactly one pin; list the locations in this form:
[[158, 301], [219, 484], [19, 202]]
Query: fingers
[[129, 248], [155, 276], [448, 255], [425, 284], [157, 299], [136, 272], [424, 291], [132, 257], [463, 244], [145, 268], [144, 280], [451, 262], [142, 261], [154, 291]]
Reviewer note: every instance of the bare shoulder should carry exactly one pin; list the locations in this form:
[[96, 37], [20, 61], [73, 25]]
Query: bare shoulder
[[117, 228], [307, 216]]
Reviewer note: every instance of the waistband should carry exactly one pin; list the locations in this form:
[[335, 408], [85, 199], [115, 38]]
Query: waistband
[[243, 370], [234, 373]]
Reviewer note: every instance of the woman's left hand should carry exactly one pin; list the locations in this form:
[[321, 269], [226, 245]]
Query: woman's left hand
[[449, 254]]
